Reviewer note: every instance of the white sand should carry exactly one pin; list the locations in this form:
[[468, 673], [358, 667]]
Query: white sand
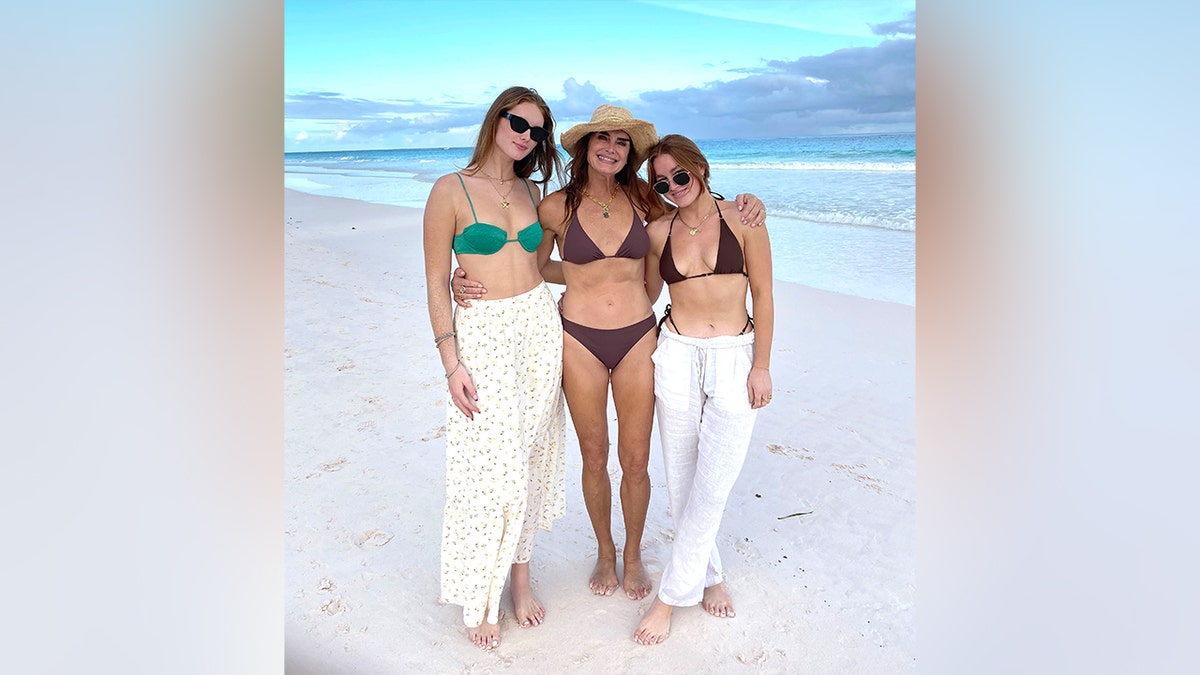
[[828, 592]]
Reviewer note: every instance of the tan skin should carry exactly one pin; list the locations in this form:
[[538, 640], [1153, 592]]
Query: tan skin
[[709, 307], [607, 293], [509, 272]]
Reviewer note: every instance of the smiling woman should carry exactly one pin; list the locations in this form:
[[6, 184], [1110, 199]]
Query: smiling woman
[[608, 322], [712, 365], [598, 222], [503, 363]]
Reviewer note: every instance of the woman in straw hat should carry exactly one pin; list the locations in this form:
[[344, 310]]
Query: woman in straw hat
[[712, 370], [505, 427], [598, 221]]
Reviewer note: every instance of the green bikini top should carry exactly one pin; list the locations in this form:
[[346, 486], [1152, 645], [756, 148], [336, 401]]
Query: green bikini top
[[486, 239]]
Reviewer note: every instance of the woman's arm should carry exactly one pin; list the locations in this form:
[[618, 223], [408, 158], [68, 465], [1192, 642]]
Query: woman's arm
[[757, 247], [550, 215], [657, 231], [438, 241]]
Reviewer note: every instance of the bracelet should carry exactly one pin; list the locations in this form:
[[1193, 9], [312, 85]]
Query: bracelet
[[437, 341], [452, 370]]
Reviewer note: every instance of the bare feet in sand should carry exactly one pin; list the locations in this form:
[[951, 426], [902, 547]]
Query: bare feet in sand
[[637, 584], [656, 624], [717, 601], [527, 608], [604, 576], [486, 635]]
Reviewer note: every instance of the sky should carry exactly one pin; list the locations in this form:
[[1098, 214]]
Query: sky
[[385, 74]]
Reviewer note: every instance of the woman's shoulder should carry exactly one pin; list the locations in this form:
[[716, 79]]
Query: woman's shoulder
[[550, 209], [729, 211], [447, 181], [559, 196], [657, 228], [446, 189], [733, 218]]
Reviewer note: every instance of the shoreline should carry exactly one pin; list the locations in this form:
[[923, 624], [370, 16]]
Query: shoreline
[[874, 229]]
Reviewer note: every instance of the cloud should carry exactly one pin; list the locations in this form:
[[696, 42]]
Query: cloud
[[327, 105], [849, 90], [905, 26], [579, 100], [362, 122], [854, 90]]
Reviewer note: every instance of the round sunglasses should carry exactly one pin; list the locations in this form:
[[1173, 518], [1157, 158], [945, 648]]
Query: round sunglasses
[[520, 125], [681, 178]]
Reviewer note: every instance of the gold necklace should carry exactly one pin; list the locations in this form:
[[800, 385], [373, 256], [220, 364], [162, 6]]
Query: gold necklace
[[605, 204], [502, 181], [695, 230], [504, 195]]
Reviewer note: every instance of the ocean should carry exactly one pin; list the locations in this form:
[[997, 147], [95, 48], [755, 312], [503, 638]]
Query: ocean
[[841, 209]]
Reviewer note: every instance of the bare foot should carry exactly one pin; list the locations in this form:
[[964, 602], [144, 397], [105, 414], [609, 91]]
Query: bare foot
[[604, 576], [486, 635], [637, 584], [717, 601], [528, 610], [656, 624]]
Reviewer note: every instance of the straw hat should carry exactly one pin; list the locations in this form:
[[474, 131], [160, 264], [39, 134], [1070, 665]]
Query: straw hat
[[612, 118]]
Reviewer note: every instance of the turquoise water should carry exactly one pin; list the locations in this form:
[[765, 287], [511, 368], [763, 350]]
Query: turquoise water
[[842, 208]]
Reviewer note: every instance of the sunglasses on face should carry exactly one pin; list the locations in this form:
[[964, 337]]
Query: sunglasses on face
[[681, 177], [520, 125]]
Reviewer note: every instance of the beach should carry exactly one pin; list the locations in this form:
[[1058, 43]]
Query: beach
[[818, 539]]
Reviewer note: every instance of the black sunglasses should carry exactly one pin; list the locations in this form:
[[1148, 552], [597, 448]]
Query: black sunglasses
[[681, 177], [520, 125]]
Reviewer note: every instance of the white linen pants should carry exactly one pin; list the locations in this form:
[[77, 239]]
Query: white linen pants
[[704, 422]]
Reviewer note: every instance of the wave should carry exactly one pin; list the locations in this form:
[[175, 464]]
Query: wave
[[846, 218], [893, 167]]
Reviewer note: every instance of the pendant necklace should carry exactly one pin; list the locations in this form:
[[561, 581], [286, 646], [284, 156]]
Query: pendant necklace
[[504, 195], [696, 230], [502, 181], [605, 204]]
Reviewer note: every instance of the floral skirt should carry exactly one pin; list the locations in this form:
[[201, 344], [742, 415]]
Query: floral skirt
[[504, 469]]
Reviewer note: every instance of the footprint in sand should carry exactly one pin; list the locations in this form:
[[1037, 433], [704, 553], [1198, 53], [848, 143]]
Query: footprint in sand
[[333, 606], [789, 451], [374, 537], [752, 657], [869, 481], [335, 465], [746, 548], [326, 585]]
